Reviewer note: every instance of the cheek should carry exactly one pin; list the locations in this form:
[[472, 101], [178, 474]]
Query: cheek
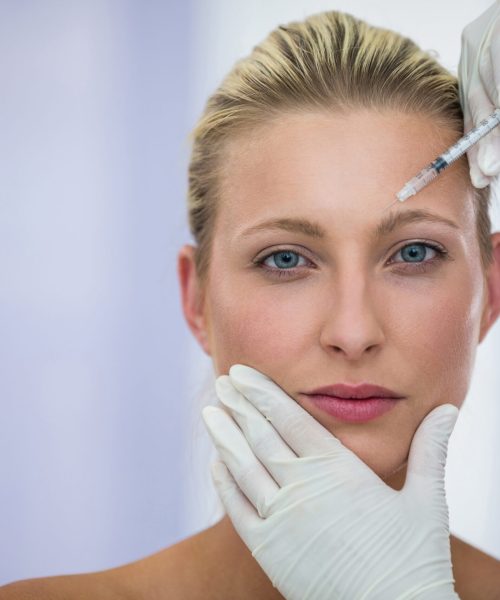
[[259, 326], [438, 335], [431, 329]]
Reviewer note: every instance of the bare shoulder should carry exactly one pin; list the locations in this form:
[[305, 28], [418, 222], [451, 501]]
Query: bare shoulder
[[182, 571], [65, 587], [165, 574], [144, 579], [477, 574], [139, 579]]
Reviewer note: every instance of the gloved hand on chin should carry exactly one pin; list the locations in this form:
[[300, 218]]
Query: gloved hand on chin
[[320, 523]]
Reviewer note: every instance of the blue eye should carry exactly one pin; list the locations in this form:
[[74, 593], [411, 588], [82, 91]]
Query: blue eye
[[416, 252], [285, 258], [414, 259], [286, 262]]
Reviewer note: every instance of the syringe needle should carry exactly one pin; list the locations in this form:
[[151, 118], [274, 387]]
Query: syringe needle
[[391, 204]]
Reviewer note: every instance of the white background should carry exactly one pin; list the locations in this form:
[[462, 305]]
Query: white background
[[103, 455]]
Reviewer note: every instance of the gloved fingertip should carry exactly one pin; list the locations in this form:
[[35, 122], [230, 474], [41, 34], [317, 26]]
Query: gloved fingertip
[[246, 374], [208, 412], [450, 413], [223, 385], [213, 418], [440, 422], [219, 472], [488, 161], [477, 178]]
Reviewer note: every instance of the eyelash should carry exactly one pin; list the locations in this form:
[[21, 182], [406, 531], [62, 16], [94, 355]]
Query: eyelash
[[420, 267]]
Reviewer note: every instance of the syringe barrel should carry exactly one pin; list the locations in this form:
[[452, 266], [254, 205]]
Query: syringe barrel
[[474, 135], [458, 149], [425, 176], [418, 182]]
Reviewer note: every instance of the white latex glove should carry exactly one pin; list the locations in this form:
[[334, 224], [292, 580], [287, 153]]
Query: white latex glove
[[479, 85], [320, 523]]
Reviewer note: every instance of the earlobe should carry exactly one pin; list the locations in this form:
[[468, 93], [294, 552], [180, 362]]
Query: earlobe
[[492, 305], [192, 296]]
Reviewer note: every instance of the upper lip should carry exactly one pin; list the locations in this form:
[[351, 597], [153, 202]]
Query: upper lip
[[363, 390]]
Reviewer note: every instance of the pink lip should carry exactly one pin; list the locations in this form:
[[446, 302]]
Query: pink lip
[[353, 411], [363, 390]]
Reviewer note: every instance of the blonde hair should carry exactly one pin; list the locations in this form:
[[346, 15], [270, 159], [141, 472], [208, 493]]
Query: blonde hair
[[330, 61]]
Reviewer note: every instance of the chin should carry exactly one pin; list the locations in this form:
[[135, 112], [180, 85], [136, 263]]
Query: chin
[[387, 458]]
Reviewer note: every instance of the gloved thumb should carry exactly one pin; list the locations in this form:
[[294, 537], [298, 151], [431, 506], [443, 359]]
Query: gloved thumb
[[429, 449]]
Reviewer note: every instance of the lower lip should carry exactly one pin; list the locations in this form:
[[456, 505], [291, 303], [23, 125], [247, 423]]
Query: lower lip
[[353, 411]]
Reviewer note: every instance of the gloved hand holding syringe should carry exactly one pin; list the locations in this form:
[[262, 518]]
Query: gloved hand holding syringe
[[479, 88], [431, 171]]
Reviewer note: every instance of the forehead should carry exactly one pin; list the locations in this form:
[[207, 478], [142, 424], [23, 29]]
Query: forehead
[[350, 163]]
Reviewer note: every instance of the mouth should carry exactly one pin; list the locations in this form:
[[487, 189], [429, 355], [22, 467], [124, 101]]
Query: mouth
[[360, 391], [354, 403]]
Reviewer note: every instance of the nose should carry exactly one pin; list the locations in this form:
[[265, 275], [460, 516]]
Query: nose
[[352, 325]]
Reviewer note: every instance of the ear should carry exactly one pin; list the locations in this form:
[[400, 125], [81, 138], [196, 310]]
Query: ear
[[192, 296], [491, 308]]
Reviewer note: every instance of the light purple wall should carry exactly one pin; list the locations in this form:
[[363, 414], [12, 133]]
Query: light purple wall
[[93, 162]]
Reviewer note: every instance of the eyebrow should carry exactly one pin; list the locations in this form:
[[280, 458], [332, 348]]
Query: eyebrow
[[385, 227]]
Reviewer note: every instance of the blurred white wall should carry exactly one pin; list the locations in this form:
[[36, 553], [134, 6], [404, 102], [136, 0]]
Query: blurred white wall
[[103, 454]]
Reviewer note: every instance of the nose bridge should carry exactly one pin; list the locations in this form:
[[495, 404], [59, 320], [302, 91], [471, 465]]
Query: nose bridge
[[353, 295], [353, 323]]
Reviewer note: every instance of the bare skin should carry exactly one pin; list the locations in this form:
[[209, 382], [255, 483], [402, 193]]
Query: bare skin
[[215, 565], [390, 335], [226, 570]]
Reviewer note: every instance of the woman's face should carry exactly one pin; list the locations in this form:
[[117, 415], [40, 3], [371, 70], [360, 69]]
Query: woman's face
[[352, 305]]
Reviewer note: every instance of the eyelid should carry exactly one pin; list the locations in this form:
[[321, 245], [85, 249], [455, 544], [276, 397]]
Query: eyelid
[[267, 253], [411, 241], [404, 243], [442, 252]]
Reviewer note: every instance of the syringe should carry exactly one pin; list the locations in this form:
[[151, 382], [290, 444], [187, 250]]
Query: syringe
[[431, 171]]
